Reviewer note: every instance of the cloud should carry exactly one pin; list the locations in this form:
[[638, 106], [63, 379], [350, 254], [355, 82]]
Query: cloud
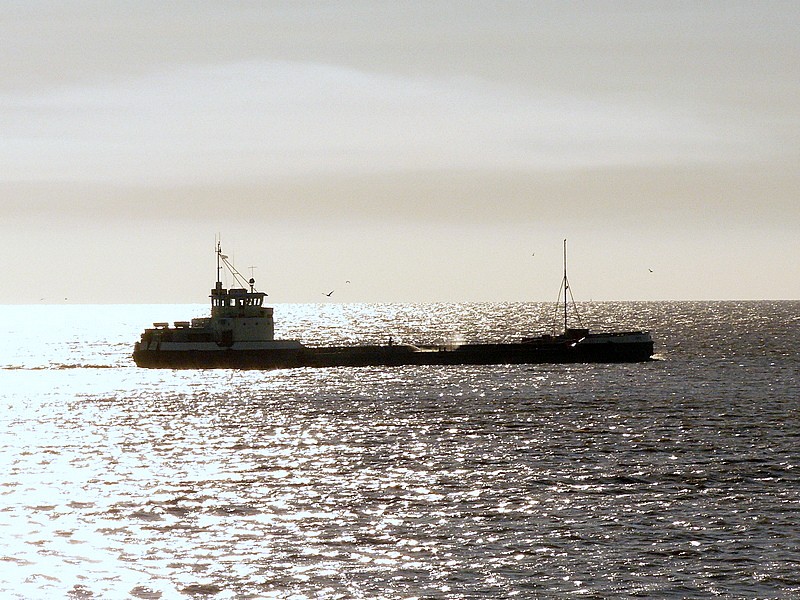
[[264, 119]]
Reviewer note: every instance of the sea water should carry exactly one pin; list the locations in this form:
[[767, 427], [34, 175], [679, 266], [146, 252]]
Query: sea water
[[676, 478]]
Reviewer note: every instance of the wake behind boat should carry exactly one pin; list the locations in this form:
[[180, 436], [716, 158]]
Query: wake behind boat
[[239, 334]]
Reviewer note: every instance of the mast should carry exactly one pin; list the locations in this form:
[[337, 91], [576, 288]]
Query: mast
[[568, 299], [219, 266], [566, 286]]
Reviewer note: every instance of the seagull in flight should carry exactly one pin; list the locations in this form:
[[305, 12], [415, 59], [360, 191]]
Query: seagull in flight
[[329, 294]]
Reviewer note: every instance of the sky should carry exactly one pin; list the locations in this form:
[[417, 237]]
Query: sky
[[423, 151]]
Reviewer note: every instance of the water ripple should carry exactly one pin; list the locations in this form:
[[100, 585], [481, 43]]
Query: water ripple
[[673, 479]]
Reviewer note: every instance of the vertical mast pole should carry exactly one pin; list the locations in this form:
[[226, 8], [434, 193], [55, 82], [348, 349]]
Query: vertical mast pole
[[566, 287], [219, 267]]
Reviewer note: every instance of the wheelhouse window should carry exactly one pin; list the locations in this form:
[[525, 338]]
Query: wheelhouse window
[[237, 299]]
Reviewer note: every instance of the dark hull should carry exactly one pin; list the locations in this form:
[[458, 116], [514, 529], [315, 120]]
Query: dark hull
[[398, 355]]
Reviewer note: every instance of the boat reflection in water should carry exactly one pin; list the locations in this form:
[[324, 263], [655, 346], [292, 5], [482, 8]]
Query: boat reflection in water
[[240, 334]]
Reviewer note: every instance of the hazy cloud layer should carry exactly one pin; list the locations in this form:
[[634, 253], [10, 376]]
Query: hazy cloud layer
[[250, 121]]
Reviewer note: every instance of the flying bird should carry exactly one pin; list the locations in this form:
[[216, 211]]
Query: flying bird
[[329, 294], [651, 270]]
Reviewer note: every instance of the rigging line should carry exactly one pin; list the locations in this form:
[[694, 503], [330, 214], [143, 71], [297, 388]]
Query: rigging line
[[237, 277]]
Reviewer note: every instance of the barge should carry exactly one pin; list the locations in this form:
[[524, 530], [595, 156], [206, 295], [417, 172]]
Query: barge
[[240, 334]]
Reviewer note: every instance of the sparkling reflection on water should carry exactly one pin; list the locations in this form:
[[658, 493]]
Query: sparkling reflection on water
[[676, 478]]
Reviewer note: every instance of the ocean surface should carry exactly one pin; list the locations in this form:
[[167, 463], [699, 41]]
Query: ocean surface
[[677, 478]]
